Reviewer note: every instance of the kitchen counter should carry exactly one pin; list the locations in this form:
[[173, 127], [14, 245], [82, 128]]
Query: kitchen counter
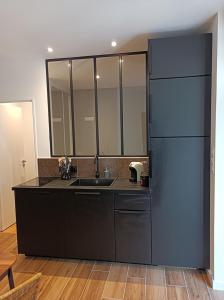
[[57, 183]]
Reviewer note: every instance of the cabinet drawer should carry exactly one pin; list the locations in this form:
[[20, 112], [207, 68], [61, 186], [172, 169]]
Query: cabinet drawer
[[132, 200], [133, 236]]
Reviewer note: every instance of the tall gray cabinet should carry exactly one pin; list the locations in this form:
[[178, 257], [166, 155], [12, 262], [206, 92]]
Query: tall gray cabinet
[[179, 137]]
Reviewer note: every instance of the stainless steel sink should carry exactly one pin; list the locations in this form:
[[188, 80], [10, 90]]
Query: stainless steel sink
[[93, 182]]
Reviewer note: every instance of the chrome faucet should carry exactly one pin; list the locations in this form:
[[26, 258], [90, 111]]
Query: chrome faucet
[[96, 162]]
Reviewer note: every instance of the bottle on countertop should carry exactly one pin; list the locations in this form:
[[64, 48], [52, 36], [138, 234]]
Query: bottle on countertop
[[107, 172]]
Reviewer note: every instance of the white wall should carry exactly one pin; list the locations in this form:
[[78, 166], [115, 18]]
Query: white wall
[[28, 140], [20, 80], [217, 154]]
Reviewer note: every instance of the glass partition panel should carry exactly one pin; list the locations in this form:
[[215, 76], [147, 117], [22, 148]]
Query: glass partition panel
[[108, 95], [116, 86], [60, 108], [134, 104], [84, 106]]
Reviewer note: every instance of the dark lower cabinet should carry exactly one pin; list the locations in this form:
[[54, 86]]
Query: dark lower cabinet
[[40, 217], [75, 224], [90, 225], [133, 236], [84, 224]]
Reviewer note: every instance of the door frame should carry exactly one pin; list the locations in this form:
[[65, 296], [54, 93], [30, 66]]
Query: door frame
[[31, 100]]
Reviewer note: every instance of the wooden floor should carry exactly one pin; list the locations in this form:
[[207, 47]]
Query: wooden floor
[[89, 280]]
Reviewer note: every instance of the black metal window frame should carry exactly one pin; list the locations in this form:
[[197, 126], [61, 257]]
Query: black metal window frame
[[94, 58]]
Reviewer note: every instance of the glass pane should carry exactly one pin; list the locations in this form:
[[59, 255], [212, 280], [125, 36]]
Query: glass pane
[[134, 104], [84, 106], [108, 93], [60, 104]]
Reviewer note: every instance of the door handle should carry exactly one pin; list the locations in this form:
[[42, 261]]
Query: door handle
[[23, 161]]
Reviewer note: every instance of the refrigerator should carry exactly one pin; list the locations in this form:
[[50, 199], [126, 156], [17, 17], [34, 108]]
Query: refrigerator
[[179, 143]]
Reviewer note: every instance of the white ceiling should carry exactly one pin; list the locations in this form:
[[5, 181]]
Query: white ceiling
[[84, 27]]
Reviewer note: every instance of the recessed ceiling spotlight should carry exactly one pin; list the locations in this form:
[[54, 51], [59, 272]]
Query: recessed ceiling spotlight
[[50, 50], [113, 43], [97, 76]]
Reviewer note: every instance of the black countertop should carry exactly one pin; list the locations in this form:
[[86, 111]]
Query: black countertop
[[57, 183]]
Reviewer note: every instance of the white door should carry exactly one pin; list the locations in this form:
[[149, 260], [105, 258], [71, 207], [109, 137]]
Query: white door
[[17, 155]]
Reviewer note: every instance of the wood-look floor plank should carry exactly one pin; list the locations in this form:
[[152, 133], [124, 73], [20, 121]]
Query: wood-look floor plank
[[217, 295], [174, 277], [196, 285], [214, 295], [135, 289], [156, 275], [155, 284], [155, 292], [116, 281], [95, 285], [55, 280], [11, 229], [78, 281], [137, 271], [30, 264], [102, 266], [7, 242], [177, 293]]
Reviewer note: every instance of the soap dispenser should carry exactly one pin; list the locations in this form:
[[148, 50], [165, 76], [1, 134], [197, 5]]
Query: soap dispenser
[[107, 172]]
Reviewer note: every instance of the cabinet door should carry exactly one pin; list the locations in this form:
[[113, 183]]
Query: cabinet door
[[180, 202], [40, 217], [133, 236], [180, 107], [180, 56], [90, 231]]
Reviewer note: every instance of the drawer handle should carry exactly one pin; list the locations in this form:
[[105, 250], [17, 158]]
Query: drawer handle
[[42, 192], [131, 212], [87, 193], [138, 201], [137, 194]]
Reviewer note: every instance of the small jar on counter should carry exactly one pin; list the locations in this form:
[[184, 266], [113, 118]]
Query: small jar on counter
[[107, 173]]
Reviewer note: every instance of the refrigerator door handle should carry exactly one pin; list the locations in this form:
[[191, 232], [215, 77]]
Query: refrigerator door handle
[[150, 115], [150, 164]]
